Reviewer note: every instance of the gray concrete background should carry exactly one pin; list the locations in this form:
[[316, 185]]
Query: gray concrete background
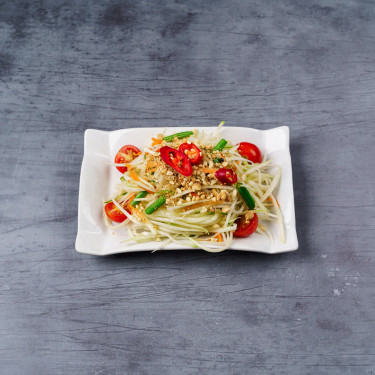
[[70, 65]]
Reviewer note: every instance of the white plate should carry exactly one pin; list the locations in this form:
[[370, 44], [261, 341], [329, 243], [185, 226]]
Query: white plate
[[98, 178]]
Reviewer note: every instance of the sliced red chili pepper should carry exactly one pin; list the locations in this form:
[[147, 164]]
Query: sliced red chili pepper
[[177, 160], [192, 152], [226, 176]]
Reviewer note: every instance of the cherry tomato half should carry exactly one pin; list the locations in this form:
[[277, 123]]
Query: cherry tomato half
[[226, 176], [177, 160], [250, 152], [192, 152], [245, 227], [126, 155], [114, 213]]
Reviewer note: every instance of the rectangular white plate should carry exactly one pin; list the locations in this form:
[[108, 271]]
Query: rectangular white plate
[[98, 178]]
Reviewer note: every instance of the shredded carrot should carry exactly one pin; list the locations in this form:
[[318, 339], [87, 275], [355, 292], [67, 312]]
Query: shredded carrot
[[277, 202], [270, 200], [219, 237], [156, 141], [133, 175], [208, 170], [151, 165], [133, 209]]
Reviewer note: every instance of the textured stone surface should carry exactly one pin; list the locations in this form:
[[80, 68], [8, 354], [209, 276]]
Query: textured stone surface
[[70, 65]]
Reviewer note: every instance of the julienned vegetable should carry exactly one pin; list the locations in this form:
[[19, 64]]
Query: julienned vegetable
[[198, 192]]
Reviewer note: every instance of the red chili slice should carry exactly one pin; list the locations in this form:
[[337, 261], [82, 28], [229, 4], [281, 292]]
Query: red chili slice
[[226, 176], [192, 152], [177, 160]]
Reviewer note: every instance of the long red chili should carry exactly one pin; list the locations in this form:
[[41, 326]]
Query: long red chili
[[192, 152], [177, 160]]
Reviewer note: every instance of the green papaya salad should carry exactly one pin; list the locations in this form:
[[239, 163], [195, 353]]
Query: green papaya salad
[[194, 189]]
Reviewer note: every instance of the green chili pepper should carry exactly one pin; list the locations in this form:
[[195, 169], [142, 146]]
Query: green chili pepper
[[220, 145], [169, 138], [249, 200], [141, 194], [154, 206]]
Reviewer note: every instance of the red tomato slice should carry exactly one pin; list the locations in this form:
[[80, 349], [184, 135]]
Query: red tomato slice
[[177, 160], [126, 155], [226, 176], [114, 213], [246, 227], [192, 152], [250, 152]]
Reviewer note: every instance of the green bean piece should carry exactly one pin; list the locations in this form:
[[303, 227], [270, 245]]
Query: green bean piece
[[220, 145], [245, 194], [169, 138], [141, 194], [154, 206]]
